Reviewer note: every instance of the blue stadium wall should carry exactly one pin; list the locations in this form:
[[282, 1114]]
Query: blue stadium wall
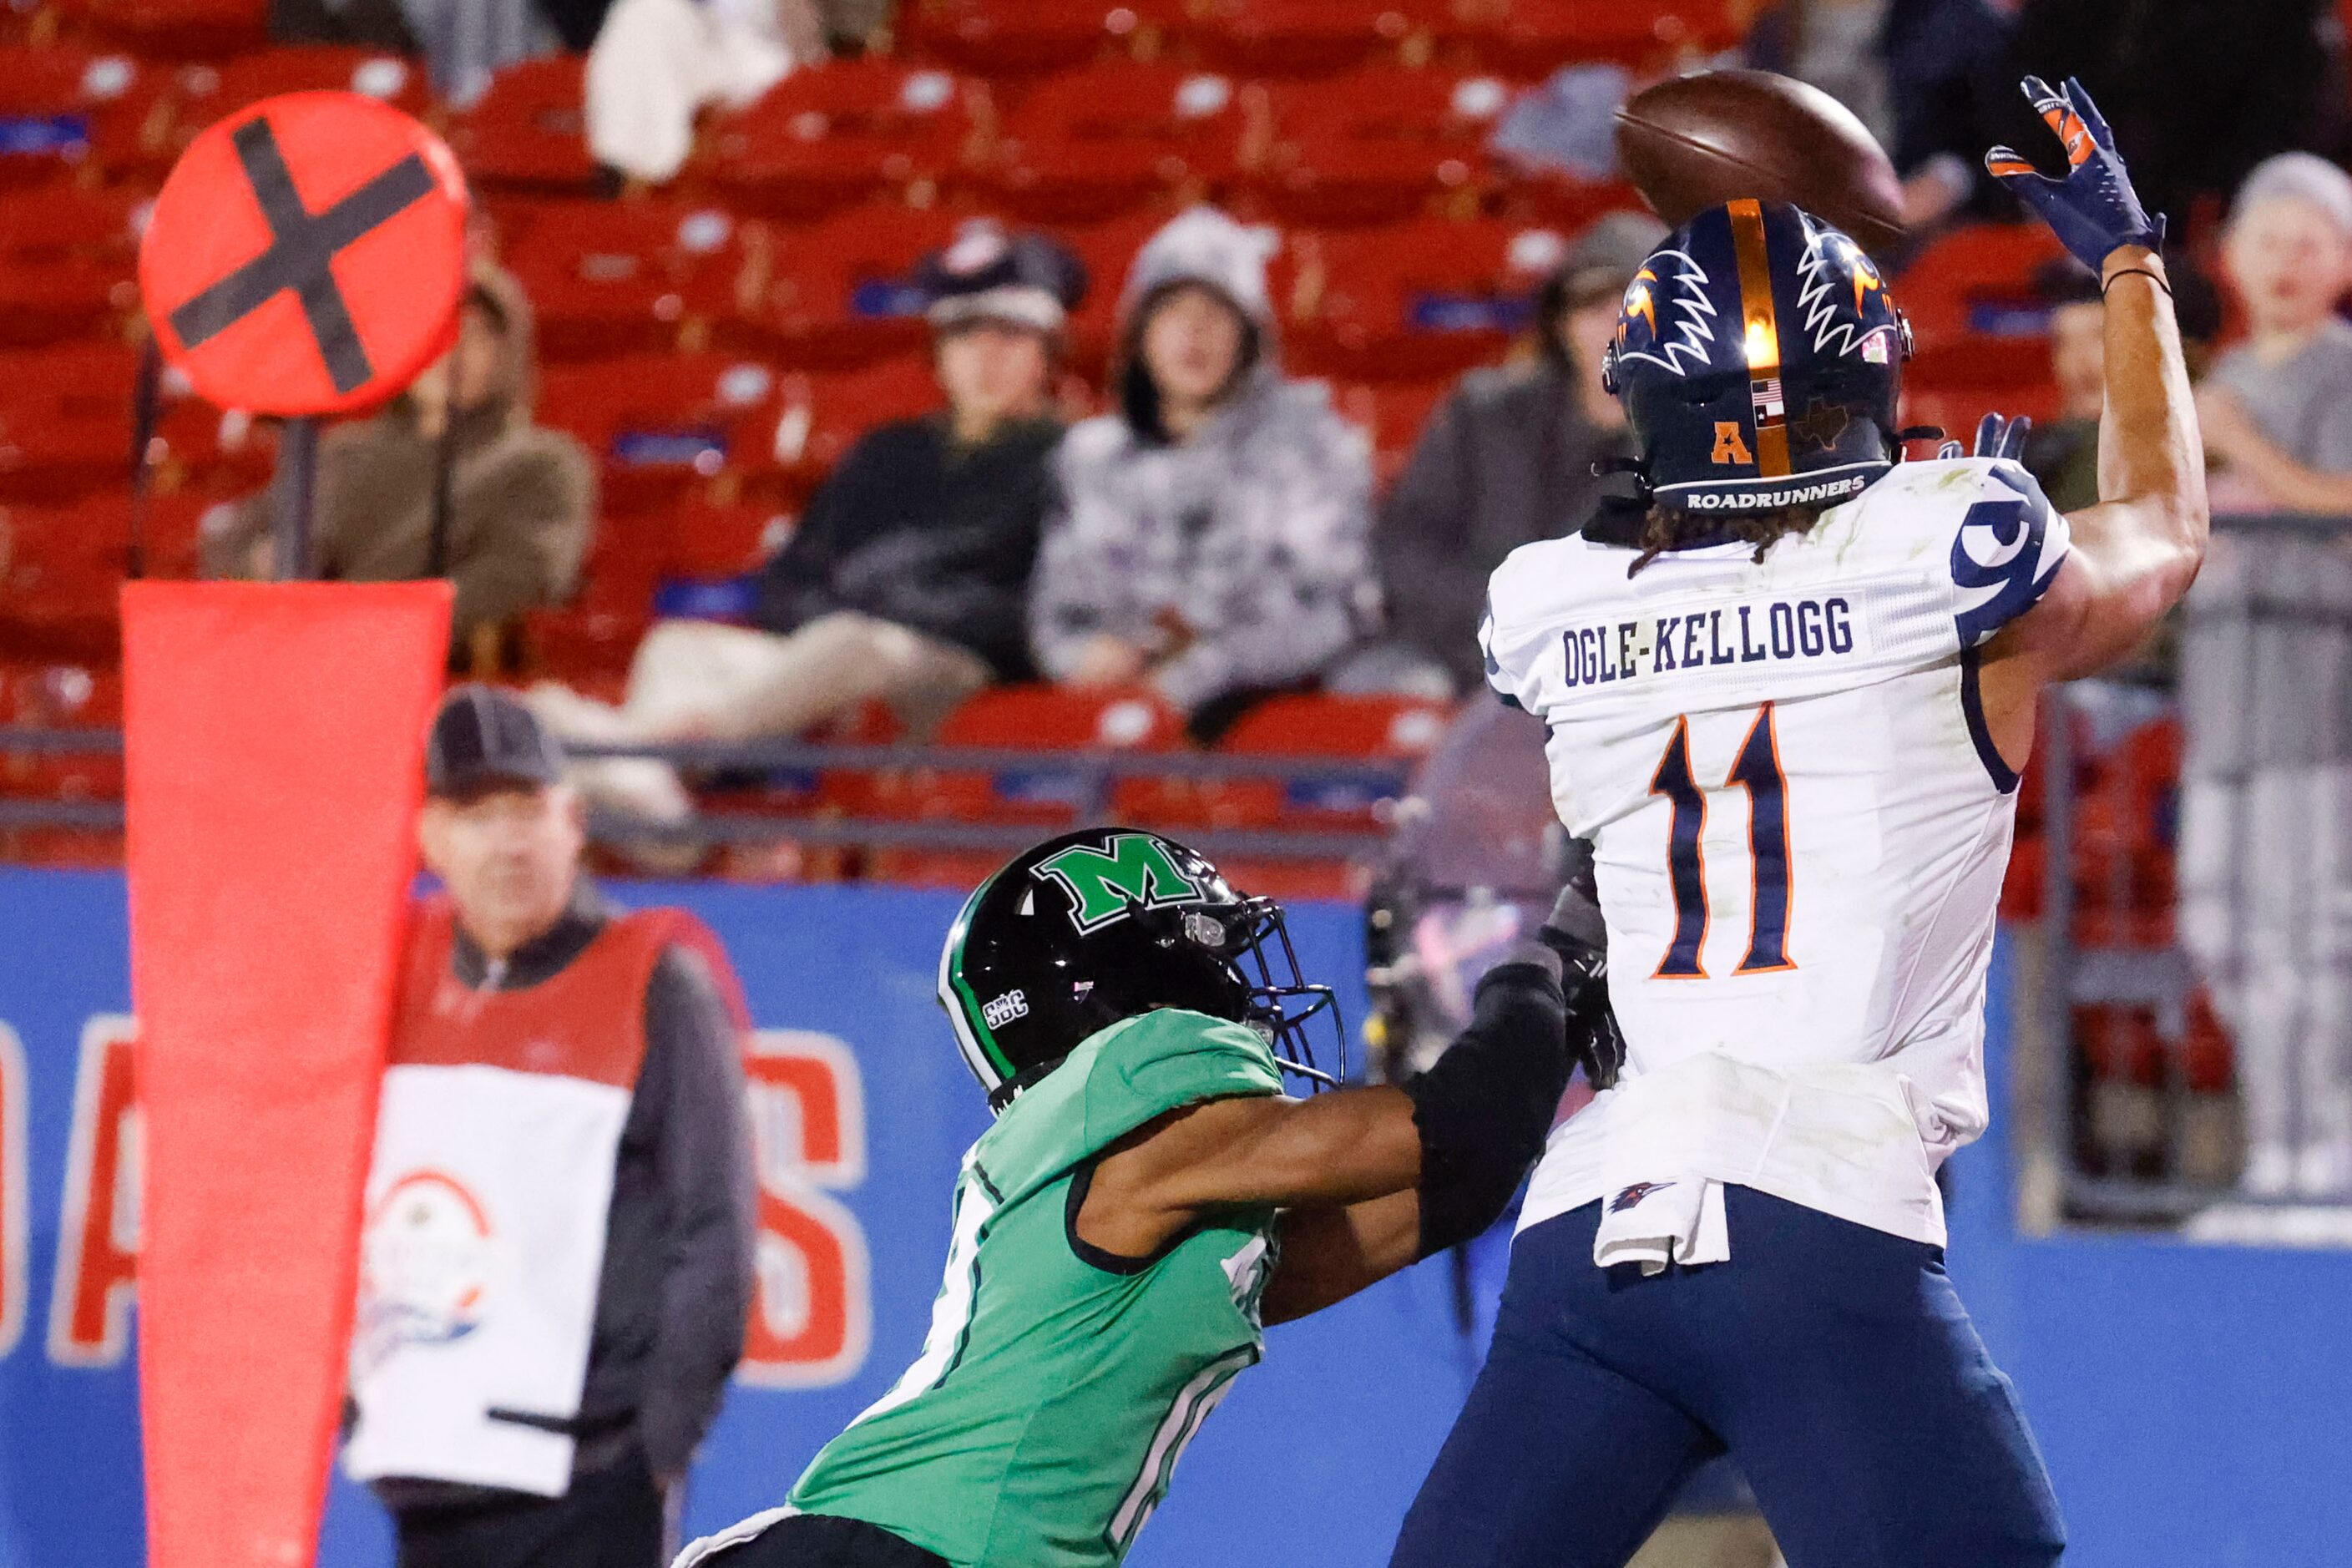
[[2192, 1402]]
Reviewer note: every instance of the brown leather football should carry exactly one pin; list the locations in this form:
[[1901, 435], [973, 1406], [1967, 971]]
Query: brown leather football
[[1695, 141]]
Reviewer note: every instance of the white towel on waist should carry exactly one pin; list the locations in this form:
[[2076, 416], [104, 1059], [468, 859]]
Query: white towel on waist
[[1654, 1223]]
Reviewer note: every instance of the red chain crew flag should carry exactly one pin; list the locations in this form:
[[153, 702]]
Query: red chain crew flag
[[275, 762]]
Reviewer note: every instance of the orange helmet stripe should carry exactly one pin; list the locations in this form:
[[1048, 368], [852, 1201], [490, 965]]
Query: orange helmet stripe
[[1761, 325]]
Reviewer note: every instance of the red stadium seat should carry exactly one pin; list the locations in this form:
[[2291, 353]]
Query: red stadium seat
[[64, 110], [661, 424], [822, 140], [1113, 138], [201, 95], [1531, 42], [173, 29], [1029, 719], [1304, 37], [527, 133], [1417, 300], [635, 276], [840, 294], [1318, 726], [1976, 309], [998, 38], [1378, 146], [46, 695]]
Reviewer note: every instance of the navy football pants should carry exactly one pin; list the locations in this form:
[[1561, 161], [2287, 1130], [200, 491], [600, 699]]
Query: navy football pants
[[1833, 1361]]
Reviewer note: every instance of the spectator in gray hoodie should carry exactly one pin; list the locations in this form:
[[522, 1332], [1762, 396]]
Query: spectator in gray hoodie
[[1211, 537]]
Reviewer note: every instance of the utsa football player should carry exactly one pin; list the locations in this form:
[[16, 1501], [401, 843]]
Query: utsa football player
[[1148, 1196], [1789, 692]]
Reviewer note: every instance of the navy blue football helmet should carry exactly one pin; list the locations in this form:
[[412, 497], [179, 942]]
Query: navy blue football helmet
[[1760, 361]]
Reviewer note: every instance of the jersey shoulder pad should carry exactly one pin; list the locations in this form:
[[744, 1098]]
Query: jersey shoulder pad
[[1994, 535], [1539, 588], [1145, 1067]]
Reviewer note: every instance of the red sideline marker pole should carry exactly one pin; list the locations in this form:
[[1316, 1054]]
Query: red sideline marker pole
[[275, 760]]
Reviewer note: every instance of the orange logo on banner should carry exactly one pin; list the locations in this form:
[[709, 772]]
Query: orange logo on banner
[[98, 1231], [813, 1315]]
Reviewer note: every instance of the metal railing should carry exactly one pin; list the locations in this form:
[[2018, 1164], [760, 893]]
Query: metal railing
[[1084, 781], [2122, 1128]]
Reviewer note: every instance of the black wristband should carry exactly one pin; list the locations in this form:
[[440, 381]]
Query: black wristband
[[1485, 1109], [2135, 272]]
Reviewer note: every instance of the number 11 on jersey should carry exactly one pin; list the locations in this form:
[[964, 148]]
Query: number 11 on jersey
[[1756, 770]]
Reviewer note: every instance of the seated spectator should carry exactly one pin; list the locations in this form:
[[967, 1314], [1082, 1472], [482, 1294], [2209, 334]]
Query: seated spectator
[[906, 583], [522, 498], [1210, 536], [2277, 409], [2064, 452], [1506, 458]]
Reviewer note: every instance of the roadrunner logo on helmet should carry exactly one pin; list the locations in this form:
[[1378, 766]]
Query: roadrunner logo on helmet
[[1103, 924], [1761, 363]]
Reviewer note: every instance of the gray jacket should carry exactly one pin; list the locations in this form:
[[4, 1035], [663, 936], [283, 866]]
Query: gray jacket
[[1506, 459], [1244, 549]]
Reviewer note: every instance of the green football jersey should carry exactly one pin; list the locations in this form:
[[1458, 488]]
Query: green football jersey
[[1056, 1389]]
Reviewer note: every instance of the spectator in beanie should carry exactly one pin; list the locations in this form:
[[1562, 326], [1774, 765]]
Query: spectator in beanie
[[522, 497], [1506, 459], [2277, 409], [1209, 538], [907, 580]]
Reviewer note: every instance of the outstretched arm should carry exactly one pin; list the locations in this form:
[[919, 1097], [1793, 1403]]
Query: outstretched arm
[[1375, 1178], [2135, 553], [1330, 1254]]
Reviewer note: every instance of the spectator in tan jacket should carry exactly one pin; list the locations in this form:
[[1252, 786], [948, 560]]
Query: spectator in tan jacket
[[523, 498]]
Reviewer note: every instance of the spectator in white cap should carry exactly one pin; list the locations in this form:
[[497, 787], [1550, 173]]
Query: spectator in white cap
[[906, 583], [1211, 537], [2277, 410]]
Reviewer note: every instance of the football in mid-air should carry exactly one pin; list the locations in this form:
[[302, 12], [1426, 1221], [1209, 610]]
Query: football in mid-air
[[1695, 141]]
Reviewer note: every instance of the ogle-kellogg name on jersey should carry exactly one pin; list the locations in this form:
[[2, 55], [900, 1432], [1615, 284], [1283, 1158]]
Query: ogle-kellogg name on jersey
[[1783, 629]]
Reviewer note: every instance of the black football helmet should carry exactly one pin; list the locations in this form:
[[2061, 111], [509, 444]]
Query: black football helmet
[[1759, 359], [1103, 924]]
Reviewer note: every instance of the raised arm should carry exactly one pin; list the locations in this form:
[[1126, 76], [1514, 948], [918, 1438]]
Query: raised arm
[[2135, 553]]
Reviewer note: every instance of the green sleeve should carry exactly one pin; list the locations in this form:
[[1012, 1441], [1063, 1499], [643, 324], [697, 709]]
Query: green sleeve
[[1169, 1058]]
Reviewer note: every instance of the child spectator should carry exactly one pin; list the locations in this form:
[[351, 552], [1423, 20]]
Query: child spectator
[[1209, 537], [522, 498], [1506, 458], [2277, 410], [2266, 794], [906, 581]]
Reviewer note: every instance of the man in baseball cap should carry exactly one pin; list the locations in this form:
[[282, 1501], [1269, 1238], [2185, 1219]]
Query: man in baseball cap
[[565, 1082]]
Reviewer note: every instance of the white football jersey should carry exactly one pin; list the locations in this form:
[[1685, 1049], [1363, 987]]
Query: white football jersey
[[1800, 827]]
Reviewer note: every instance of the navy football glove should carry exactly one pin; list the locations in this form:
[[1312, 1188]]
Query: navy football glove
[[1576, 932], [2003, 438], [2093, 210]]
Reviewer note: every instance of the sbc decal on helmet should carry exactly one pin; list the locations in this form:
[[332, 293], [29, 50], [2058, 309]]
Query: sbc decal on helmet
[[1131, 870]]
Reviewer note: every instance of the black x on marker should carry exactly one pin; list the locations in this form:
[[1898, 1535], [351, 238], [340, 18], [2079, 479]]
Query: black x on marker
[[302, 245]]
